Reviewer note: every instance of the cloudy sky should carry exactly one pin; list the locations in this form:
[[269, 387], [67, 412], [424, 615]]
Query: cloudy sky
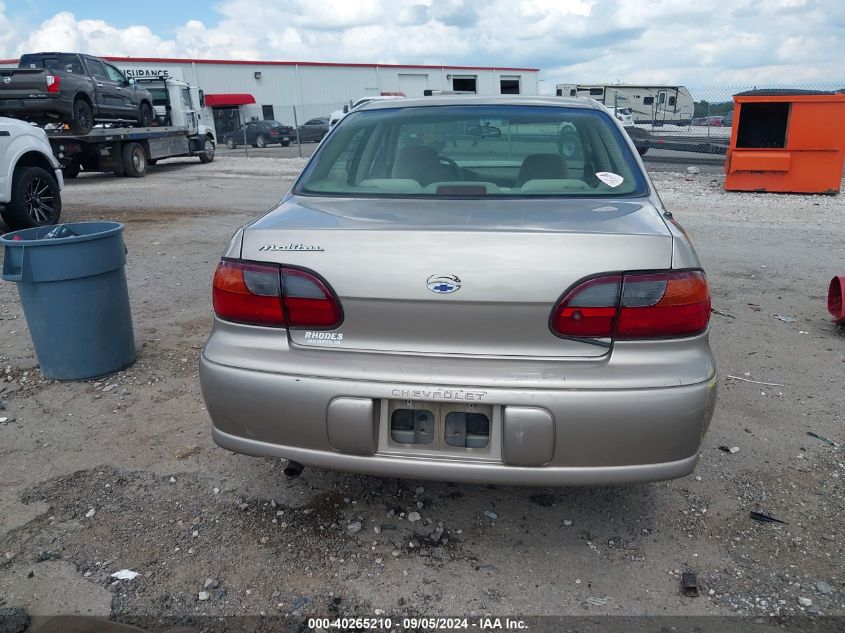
[[693, 42]]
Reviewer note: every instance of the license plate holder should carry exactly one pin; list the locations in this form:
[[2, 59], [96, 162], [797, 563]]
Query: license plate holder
[[471, 429]]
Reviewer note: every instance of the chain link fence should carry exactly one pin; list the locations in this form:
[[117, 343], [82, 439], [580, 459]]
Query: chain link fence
[[662, 120], [694, 119], [256, 126]]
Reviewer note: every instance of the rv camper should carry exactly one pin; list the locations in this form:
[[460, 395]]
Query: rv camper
[[647, 105]]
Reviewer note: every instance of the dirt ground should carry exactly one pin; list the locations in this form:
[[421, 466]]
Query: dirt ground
[[121, 474]]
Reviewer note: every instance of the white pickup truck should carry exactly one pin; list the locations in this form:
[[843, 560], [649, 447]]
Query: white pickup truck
[[30, 176]]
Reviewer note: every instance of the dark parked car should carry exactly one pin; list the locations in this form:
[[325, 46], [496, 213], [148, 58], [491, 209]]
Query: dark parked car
[[314, 130], [71, 88], [260, 134]]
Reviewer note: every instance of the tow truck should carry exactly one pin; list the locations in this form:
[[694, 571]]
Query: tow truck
[[177, 130]]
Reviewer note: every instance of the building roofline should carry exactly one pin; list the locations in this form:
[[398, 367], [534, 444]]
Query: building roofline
[[180, 60]]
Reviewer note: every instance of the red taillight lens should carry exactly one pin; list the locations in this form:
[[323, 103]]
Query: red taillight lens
[[308, 302], [664, 304], [589, 309], [655, 305], [53, 83], [248, 293], [266, 294]]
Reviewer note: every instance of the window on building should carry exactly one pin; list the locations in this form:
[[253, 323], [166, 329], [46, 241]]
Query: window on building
[[465, 83], [267, 112], [672, 101], [596, 92], [661, 98], [648, 100], [509, 85]]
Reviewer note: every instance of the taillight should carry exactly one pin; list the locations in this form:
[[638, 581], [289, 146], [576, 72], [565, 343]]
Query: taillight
[[248, 293], [589, 309], [269, 295], [308, 302], [53, 83], [664, 304], [635, 306]]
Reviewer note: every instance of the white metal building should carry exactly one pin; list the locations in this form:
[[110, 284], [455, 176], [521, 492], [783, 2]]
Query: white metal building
[[294, 92], [235, 91]]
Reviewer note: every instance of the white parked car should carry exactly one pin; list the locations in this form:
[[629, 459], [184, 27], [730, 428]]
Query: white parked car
[[30, 176], [337, 115], [625, 116]]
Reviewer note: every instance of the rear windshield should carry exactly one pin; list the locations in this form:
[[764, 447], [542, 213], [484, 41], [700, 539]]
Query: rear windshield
[[160, 97], [474, 151], [60, 62]]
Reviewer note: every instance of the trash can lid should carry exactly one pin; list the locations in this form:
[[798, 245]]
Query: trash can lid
[[85, 231]]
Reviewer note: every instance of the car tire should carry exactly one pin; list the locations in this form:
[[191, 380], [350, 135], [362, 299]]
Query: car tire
[[208, 151], [134, 160], [261, 141], [145, 114], [36, 199], [230, 143], [285, 143], [82, 121]]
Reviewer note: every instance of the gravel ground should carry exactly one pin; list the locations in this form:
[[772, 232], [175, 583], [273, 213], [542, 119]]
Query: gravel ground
[[121, 474]]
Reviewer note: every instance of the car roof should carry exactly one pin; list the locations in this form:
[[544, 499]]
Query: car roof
[[480, 100]]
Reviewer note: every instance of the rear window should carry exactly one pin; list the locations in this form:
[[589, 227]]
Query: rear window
[[160, 97], [474, 151], [60, 62]]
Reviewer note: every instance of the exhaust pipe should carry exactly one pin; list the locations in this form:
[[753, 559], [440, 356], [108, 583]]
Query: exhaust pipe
[[294, 469], [834, 299]]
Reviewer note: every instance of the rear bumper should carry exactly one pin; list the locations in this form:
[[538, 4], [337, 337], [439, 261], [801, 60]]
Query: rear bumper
[[594, 436], [457, 471]]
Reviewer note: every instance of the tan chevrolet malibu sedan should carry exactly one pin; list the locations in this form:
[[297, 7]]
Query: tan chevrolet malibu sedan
[[467, 289]]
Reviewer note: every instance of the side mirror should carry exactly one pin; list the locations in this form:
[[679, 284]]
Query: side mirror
[[131, 81], [345, 109]]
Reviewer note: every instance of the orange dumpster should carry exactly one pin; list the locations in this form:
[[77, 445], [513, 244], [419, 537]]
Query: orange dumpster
[[787, 141]]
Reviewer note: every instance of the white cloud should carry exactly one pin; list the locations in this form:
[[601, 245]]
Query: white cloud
[[703, 43]]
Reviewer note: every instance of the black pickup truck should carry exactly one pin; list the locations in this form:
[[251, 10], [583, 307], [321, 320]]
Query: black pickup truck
[[72, 88]]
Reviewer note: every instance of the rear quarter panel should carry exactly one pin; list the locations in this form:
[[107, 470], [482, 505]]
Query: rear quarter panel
[[15, 145]]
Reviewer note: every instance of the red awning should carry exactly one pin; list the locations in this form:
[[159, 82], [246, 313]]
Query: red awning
[[233, 99]]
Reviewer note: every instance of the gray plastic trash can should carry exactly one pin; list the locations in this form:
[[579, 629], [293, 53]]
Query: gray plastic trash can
[[74, 296]]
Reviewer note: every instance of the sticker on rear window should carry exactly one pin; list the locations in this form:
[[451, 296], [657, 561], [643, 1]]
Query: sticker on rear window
[[609, 178]]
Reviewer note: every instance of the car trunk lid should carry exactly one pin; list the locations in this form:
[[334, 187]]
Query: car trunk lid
[[456, 277]]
